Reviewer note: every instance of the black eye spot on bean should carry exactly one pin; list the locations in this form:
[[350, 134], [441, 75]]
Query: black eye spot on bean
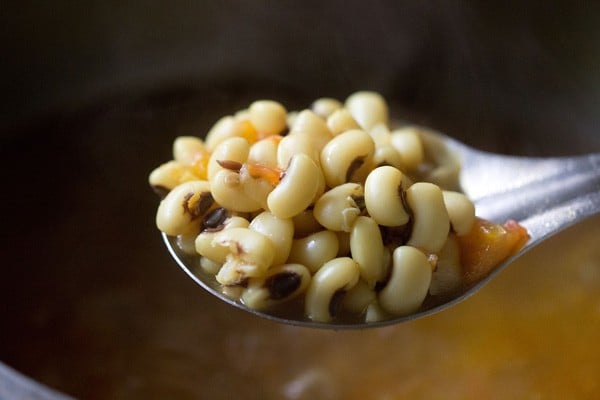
[[161, 191], [282, 285], [204, 203], [354, 165], [215, 220], [336, 302], [230, 165], [186, 205], [395, 236], [359, 201]]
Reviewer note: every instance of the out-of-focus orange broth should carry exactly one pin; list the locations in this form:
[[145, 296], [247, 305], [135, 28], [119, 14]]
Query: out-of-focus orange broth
[[531, 333]]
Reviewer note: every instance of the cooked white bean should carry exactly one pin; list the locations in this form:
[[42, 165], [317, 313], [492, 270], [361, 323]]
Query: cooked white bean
[[337, 208], [185, 243], [279, 230], [386, 154], [461, 212], [256, 187], [268, 117], [431, 224], [344, 156], [225, 128], [358, 298], [210, 266], [180, 212], [447, 277], [228, 190], [168, 175], [305, 223], [265, 151], [233, 149], [280, 284], [384, 188], [291, 145], [408, 143], [205, 244], [366, 247], [375, 313], [409, 282], [325, 106], [381, 134], [331, 280], [308, 124], [250, 254], [297, 188], [368, 108], [186, 149], [341, 121], [314, 250]]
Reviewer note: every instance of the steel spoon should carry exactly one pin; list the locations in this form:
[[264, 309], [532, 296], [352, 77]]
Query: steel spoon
[[546, 195]]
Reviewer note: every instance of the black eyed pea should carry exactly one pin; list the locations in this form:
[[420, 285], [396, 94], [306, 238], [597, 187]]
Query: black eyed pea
[[228, 190], [255, 188], [375, 313], [444, 165], [381, 134], [338, 208], [366, 247], [408, 143], [264, 151], [279, 230], [204, 243], [325, 106], [314, 250], [386, 154], [233, 149], [186, 243], [341, 121], [431, 223], [280, 284], [310, 125], [357, 299], [168, 175], [291, 145], [210, 266], [384, 188], [297, 189], [186, 149], [367, 108], [461, 212], [347, 157], [250, 254], [447, 277], [180, 212], [409, 282], [225, 128], [268, 117], [327, 286], [305, 223]]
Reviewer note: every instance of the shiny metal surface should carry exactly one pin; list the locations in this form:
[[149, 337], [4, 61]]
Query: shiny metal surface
[[546, 195]]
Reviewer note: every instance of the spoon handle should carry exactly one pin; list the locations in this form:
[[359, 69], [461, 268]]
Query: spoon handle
[[545, 195]]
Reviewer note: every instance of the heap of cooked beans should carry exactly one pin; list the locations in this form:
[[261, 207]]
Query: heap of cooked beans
[[321, 206]]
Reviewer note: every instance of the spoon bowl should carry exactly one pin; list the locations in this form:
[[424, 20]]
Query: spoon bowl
[[546, 196]]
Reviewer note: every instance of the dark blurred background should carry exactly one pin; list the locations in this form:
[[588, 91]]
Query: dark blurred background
[[518, 65], [93, 93]]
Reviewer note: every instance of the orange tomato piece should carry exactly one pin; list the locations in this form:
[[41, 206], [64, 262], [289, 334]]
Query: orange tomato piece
[[487, 245], [271, 175]]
